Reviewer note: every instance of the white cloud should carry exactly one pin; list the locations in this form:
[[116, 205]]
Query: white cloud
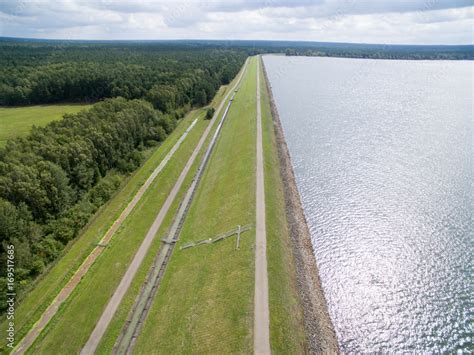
[[368, 21]]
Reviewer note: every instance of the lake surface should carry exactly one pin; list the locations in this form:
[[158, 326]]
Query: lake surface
[[383, 156]]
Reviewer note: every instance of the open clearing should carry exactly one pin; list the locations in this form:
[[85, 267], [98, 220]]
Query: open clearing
[[17, 121]]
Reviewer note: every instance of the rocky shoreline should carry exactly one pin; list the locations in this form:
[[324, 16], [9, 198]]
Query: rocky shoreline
[[319, 328]]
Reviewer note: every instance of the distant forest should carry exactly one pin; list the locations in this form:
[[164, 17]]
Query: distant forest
[[167, 76], [55, 179]]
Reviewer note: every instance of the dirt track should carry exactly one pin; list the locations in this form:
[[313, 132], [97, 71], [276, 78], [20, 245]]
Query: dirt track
[[261, 311]]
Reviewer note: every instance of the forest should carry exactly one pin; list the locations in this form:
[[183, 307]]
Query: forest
[[53, 180], [169, 76]]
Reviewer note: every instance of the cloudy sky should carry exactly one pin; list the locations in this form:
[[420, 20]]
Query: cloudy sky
[[367, 21]]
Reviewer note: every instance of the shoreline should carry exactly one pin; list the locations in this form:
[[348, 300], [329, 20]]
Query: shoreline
[[318, 325]]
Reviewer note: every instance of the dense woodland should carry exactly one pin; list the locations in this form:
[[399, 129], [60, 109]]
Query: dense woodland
[[55, 179], [168, 76]]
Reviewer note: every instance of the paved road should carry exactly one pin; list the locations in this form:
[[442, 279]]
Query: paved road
[[31, 336], [122, 288], [261, 312]]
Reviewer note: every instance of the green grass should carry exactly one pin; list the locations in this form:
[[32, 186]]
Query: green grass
[[205, 301], [287, 333], [120, 317], [17, 121]]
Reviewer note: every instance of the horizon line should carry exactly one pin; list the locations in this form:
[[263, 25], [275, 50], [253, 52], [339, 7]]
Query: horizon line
[[229, 40]]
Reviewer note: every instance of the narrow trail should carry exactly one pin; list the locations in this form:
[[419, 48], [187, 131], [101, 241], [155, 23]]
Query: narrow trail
[[66, 291], [261, 311], [127, 279]]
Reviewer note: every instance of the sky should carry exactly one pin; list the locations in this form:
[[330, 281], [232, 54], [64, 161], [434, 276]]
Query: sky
[[355, 21]]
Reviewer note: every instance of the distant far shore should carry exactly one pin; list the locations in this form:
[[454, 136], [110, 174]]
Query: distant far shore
[[252, 47]]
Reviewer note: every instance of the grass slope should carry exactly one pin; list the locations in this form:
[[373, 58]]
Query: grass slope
[[287, 333], [17, 121], [120, 317], [205, 301]]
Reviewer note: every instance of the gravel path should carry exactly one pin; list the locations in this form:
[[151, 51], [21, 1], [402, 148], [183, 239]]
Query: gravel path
[[261, 312]]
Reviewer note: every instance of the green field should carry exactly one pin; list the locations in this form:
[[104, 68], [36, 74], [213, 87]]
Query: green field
[[17, 121], [120, 317], [205, 301]]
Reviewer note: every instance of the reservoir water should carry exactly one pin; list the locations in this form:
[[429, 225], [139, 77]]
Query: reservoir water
[[383, 157]]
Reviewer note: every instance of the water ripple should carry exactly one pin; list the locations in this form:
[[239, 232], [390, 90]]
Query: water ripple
[[382, 153]]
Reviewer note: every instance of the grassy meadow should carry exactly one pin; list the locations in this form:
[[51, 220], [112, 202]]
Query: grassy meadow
[[17, 121]]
